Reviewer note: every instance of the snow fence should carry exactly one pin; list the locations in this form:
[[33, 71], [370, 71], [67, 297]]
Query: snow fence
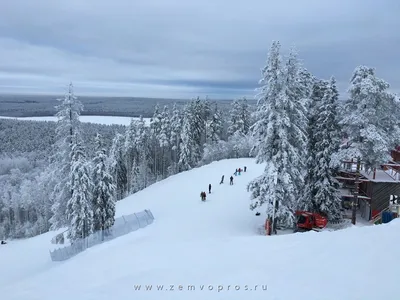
[[122, 226]]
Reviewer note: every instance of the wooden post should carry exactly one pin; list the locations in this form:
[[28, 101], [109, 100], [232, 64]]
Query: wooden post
[[355, 198]]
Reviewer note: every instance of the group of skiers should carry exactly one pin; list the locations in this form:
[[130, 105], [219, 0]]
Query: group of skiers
[[238, 171], [203, 195]]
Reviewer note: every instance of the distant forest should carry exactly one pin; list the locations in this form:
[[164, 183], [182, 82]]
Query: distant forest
[[38, 106]]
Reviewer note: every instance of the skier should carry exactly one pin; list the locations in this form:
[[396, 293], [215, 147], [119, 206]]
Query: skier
[[239, 170], [231, 182], [3, 242], [222, 179], [235, 172], [209, 188], [245, 168]]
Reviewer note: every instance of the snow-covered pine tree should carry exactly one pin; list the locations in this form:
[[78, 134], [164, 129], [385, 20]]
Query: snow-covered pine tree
[[268, 93], [44, 187], [306, 81], [240, 117], [306, 201], [103, 190], [79, 207], [192, 135], [136, 180], [296, 94], [327, 199], [163, 138], [130, 150], [368, 112], [188, 146], [117, 166], [245, 116], [207, 114], [233, 124], [274, 134], [335, 127], [207, 110], [393, 123], [215, 126], [175, 138], [198, 112], [68, 125], [155, 129], [142, 161]]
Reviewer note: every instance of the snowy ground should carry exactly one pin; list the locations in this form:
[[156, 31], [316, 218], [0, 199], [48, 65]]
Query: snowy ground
[[106, 120], [195, 246]]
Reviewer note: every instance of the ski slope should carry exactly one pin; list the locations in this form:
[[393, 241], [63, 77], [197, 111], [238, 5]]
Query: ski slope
[[196, 246]]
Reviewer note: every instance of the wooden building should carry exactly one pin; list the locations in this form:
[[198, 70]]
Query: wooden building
[[378, 189]]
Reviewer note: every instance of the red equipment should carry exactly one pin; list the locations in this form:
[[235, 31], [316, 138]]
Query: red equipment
[[267, 227], [307, 221]]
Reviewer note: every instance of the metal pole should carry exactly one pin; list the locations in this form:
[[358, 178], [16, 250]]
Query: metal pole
[[355, 198]]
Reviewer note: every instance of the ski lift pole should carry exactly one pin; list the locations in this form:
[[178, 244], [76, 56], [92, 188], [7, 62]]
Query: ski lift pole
[[356, 193]]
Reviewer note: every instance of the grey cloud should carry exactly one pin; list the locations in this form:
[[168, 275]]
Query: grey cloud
[[187, 48]]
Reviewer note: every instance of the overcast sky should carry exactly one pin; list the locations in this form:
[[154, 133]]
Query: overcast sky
[[186, 48]]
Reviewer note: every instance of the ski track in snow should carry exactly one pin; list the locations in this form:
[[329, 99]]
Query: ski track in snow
[[195, 243]]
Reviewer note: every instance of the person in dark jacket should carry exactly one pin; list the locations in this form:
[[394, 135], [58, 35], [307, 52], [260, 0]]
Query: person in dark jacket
[[209, 188], [222, 179], [231, 182]]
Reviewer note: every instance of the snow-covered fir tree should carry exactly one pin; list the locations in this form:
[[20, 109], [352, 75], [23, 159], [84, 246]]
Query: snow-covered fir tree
[[68, 125], [192, 135], [155, 130], [296, 95], [275, 135], [79, 207], [327, 199], [207, 114], [188, 145], [143, 172], [163, 138], [198, 113], [306, 201], [136, 178], [103, 190], [207, 109], [369, 118], [215, 126], [130, 151], [240, 118], [306, 81], [175, 137], [117, 166]]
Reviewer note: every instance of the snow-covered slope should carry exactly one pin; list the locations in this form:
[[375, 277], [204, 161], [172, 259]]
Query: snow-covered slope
[[196, 246]]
